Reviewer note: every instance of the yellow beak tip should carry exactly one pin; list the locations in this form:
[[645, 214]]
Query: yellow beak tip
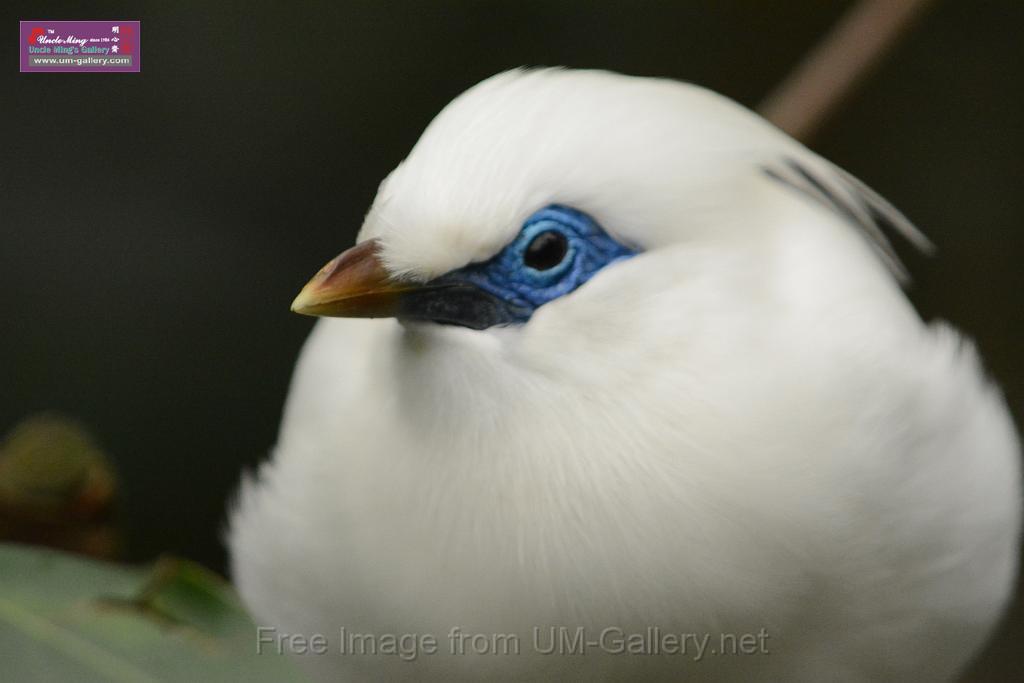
[[302, 303], [354, 284]]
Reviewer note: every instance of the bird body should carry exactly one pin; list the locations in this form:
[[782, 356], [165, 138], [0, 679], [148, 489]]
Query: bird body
[[733, 423]]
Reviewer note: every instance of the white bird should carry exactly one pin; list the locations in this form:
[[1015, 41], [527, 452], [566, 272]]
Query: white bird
[[650, 374]]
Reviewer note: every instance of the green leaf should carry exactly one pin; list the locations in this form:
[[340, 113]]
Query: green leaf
[[66, 618]]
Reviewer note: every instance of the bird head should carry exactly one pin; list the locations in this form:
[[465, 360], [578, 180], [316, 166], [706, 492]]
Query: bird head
[[549, 190]]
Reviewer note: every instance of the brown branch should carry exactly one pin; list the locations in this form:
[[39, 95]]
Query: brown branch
[[802, 102]]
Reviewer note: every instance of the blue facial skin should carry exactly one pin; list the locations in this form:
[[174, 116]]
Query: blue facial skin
[[505, 289]]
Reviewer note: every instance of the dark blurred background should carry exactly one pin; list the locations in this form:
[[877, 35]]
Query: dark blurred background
[[155, 226]]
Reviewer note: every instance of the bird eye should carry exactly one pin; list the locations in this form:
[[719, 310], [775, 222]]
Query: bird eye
[[546, 250]]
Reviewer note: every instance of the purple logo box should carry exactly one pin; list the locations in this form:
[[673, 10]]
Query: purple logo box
[[81, 46]]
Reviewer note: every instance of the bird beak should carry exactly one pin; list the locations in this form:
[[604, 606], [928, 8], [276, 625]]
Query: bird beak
[[353, 284]]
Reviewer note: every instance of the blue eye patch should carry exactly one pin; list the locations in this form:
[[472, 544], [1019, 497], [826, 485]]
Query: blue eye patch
[[557, 250]]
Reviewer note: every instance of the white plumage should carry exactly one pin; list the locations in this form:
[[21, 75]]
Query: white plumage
[[746, 426]]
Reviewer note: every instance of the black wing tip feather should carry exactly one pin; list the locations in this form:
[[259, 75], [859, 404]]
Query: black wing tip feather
[[855, 202]]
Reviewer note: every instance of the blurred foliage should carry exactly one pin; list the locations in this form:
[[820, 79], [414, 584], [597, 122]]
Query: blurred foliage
[[57, 487], [65, 618]]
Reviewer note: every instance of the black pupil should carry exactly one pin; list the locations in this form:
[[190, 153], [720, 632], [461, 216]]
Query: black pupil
[[546, 250]]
